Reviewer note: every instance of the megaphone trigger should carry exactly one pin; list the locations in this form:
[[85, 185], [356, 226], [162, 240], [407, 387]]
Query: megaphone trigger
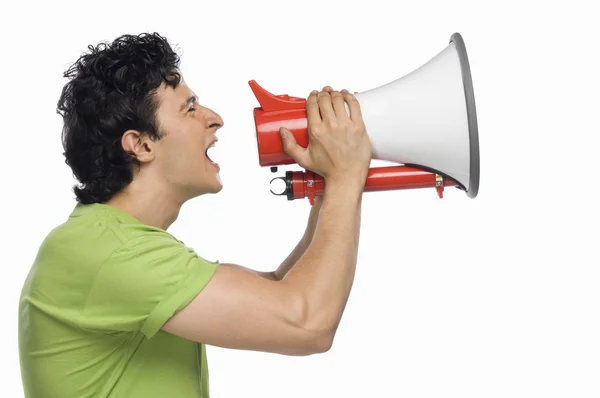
[[439, 185]]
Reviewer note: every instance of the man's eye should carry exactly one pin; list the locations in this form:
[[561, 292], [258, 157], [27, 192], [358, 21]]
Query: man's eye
[[191, 109]]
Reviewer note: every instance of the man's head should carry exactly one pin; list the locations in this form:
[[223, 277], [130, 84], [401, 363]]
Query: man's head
[[128, 114]]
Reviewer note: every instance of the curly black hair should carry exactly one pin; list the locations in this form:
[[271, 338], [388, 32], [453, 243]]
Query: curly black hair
[[112, 89]]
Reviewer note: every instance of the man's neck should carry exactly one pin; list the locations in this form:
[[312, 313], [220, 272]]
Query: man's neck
[[150, 204]]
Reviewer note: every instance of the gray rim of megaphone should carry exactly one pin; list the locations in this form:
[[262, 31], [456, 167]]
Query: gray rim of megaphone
[[471, 114]]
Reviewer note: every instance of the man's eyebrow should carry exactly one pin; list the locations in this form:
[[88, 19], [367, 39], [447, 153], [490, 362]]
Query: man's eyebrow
[[189, 101]]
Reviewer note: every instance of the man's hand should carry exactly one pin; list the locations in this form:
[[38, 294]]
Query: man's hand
[[339, 147]]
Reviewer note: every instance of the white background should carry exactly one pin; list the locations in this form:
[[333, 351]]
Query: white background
[[497, 296]]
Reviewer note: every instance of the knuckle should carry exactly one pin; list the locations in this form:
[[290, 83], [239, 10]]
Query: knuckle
[[316, 131]]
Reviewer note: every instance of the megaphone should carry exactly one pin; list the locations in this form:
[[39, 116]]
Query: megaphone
[[425, 121]]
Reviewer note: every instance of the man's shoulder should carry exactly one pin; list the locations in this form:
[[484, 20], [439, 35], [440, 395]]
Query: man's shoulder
[[106, 224], [93, 233], [72, 254]]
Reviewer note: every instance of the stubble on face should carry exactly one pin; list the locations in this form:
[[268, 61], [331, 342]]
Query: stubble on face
[[189, 129]]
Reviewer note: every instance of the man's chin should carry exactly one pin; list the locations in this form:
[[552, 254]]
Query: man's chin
[[217, 189], [219, 184], [213, 188]]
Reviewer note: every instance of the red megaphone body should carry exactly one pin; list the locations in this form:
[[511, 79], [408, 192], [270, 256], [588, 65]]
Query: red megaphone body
[[277, 111]]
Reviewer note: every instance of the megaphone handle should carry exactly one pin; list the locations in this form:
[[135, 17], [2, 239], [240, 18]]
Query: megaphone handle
[[307, 184]]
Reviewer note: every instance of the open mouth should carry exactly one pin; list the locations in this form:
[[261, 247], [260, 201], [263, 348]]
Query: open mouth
[[206, 153]]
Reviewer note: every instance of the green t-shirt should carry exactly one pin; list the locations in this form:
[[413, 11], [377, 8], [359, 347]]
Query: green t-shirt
[[101, 287]]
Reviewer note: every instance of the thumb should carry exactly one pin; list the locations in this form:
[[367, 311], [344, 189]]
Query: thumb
[[291, 147]]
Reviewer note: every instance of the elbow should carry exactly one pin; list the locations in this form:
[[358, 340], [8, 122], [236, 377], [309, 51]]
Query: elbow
[[322, 344], [312, 344], [317, 335]]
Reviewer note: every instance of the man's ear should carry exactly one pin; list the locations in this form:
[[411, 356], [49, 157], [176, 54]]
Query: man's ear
[[139, 145]]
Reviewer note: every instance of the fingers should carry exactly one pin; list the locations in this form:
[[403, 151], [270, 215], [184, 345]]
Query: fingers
[[325, 106], [312, 108], [291, 147], [328, 104], [353, 105], [337, 100]]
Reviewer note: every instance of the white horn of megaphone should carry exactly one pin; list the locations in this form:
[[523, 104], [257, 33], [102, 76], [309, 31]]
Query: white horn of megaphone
[[428, 119]]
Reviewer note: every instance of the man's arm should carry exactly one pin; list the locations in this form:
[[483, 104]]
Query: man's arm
[[238, 309], [298, 250], [297, 315], [325, 273], [301, 247]]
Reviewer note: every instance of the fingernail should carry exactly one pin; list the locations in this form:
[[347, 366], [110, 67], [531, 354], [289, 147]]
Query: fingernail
[[284, 133]]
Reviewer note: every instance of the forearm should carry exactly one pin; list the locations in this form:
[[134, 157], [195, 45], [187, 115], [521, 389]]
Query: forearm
[[324, 275], [303, 244]]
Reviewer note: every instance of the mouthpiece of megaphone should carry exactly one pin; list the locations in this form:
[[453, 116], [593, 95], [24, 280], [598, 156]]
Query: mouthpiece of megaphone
[[425, 121]]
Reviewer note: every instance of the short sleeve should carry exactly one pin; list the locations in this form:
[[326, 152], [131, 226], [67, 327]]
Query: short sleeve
[[142, 284]]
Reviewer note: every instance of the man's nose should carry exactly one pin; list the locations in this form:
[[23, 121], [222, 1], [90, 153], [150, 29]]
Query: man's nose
[[213, 119]]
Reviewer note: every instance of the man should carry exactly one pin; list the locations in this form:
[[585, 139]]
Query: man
[[114, 305]]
